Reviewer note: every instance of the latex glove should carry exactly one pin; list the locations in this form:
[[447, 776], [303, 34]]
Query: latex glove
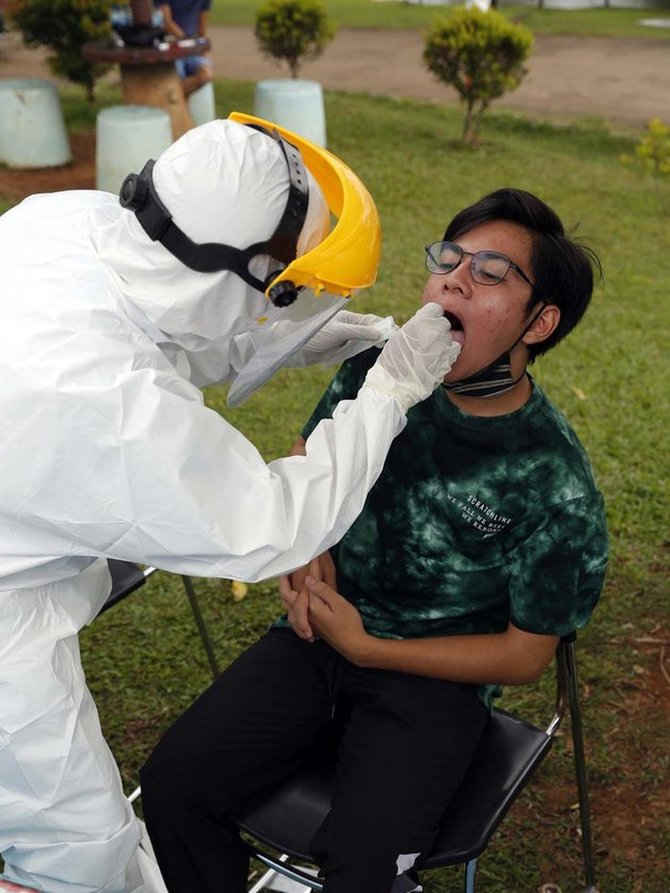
[[416, 359], [344, 336]]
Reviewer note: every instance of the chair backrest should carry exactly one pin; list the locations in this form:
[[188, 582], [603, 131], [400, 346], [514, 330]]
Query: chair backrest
[[126, 578], [510, 751]]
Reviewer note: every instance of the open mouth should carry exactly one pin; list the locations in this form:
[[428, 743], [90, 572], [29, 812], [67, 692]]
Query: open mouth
[[454, 321], [457, 332]]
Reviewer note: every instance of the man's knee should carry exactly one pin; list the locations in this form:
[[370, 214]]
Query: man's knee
[[164, 775], [178, 776]]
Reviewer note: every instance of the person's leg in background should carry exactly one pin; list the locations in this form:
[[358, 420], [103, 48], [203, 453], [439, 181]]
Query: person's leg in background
[[253, 727], [194, 72], [406, 746]]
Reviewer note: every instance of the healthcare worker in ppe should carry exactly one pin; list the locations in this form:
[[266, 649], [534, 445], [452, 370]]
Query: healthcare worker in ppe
[[219, 263]]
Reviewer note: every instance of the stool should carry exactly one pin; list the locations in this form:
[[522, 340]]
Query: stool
[[127, 136], [294, 104], [201, 104], [32, 130]]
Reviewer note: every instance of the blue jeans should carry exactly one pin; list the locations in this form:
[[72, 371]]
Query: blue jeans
[[191, 65]]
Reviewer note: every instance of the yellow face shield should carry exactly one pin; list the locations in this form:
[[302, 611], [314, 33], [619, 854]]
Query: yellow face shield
[[348, 258]]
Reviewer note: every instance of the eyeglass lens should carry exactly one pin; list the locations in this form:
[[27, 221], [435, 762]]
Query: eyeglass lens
[[486, 267]]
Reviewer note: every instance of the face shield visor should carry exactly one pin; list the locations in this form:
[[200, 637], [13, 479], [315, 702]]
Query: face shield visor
[[303, 292], [323, 278]]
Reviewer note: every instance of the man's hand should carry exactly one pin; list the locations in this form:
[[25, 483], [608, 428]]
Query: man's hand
[[295, 597], [336, 620]]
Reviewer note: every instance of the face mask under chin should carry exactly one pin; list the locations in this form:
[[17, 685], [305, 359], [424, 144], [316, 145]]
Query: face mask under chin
[[494, 379]]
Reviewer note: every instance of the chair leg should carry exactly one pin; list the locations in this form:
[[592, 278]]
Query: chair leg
[[299, 878], [202, 627], [265, 879], [580, 768], [469, 876]]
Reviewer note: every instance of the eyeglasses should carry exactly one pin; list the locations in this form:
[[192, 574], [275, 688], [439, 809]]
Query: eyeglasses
[[486, 267]]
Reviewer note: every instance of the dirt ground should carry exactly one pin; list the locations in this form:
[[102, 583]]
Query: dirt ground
[[623, 82]]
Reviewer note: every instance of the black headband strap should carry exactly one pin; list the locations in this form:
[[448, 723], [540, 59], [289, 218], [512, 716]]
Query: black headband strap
[[138, 193]]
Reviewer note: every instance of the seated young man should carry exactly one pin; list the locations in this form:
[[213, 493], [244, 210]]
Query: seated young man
[[482, 542]]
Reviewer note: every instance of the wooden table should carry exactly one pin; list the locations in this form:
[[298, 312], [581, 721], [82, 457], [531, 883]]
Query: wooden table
[[149, 75]]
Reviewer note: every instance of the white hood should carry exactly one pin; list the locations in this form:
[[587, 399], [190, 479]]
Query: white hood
[[222, 182]]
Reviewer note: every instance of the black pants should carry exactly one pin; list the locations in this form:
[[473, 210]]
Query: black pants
[[406, 742]]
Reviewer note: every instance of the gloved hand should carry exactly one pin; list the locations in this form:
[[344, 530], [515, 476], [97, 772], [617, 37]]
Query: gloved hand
[[344, 336], [416, 359]]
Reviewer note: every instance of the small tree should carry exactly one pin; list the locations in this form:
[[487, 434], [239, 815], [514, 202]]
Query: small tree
[[481, 55], [293, 31], [653, 150], [64, 26]]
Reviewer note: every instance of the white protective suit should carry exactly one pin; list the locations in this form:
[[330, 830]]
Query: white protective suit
[[107, 450]]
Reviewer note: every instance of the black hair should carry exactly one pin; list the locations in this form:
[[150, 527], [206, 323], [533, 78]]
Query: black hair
[[562, 268]]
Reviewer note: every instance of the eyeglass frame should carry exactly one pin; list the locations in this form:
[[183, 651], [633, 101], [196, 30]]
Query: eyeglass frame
[[473, 255]]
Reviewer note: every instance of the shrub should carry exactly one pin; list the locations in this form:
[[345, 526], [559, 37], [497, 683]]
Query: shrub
[[653, 150], [481, 55], [64, 26], [293, 31]]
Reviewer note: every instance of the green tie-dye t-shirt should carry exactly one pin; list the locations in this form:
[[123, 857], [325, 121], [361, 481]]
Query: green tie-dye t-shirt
[[473, 523]]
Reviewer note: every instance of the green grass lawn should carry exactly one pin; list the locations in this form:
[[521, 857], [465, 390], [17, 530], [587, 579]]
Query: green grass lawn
[[144, 661], [603, 21]]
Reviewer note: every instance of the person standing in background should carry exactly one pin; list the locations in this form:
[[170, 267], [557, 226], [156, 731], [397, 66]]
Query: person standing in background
[[183, 19]]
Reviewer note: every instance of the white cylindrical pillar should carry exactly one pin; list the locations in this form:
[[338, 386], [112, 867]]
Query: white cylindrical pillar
[[294, 104], [127, 136], [32, 130], [201, 104]]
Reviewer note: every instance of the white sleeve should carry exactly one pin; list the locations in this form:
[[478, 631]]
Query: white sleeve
[[179, 488]]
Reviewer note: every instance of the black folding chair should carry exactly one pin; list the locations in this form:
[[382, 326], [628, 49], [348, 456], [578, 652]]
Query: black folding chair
[[127, 577], [510, 751]]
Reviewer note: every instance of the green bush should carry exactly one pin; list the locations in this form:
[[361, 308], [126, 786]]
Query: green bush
[[64, 26], [481, 55], [653, 150], [293, 31]]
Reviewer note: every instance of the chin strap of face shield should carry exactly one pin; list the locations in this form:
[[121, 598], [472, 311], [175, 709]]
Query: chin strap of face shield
[[494, 379], [138, 194]]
